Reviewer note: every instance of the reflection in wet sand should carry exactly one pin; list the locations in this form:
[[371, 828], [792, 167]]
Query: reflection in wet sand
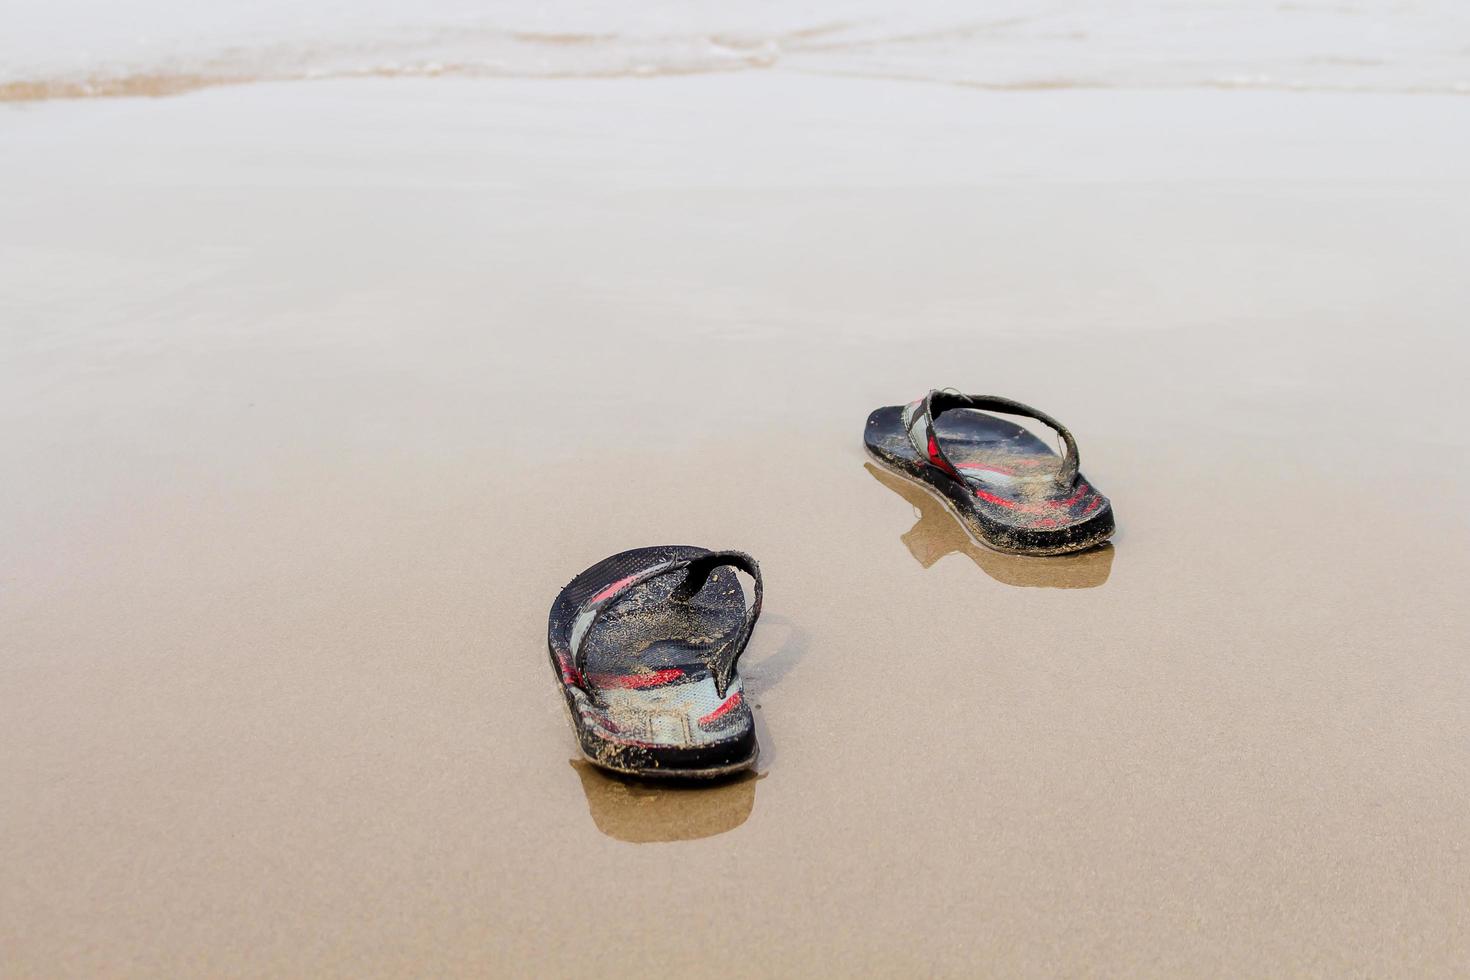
[[644, 812], [936, 534]]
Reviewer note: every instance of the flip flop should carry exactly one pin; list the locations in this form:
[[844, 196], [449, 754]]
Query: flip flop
[[1009, 489], [645, 645]]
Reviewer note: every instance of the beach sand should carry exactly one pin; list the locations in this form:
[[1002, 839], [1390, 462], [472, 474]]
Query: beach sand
[[315, 394]]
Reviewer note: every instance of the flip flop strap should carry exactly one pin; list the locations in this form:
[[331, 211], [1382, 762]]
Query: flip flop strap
[[919, 416], [722, 662]]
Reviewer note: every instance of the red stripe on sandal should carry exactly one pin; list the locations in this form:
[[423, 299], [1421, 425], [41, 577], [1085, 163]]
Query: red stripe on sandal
[[730, 705], [635, 681]]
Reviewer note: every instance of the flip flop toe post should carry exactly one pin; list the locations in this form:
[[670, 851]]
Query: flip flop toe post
[[1008, 488], [645, 645]]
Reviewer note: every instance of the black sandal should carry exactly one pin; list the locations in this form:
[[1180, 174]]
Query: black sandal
[[1009, 489], [646, 657]]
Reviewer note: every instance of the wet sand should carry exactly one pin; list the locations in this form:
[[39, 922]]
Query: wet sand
[[314, 395]]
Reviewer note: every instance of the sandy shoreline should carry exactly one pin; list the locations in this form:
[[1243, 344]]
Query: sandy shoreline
[[316, 394]]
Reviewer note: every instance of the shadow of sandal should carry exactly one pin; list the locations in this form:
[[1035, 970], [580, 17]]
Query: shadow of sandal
[[765, 672], [647, 812], [936, 534]]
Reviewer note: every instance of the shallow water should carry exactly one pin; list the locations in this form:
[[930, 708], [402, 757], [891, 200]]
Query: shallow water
[[78, 48], [315, 395]]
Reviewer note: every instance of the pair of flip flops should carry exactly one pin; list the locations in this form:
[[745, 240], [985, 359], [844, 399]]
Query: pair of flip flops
[[646, 643]]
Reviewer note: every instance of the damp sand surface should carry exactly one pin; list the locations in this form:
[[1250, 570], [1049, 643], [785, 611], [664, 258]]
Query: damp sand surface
[[314, 395]]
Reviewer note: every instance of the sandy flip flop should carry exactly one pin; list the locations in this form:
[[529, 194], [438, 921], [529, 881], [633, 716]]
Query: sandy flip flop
[[645, 644], [1009, 489]]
